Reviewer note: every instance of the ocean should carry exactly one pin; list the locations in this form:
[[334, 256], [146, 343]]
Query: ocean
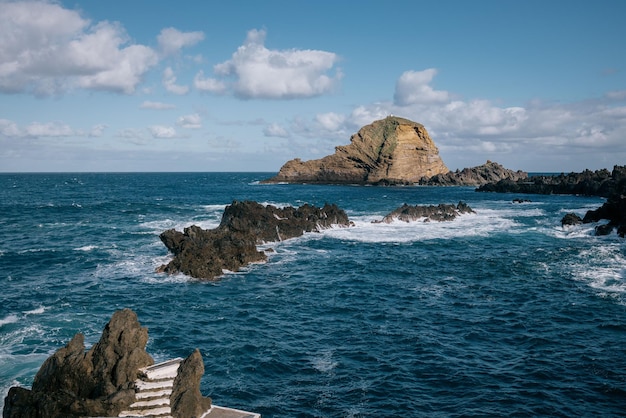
[[498, 313]]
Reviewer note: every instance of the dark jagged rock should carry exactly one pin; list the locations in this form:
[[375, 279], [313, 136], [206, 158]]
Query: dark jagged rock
[[518, 200], [441, 212], [75, 383], [489, 172], [205, 254], [614, 210], [101, 381], [588, 183], [571, 219], [186, 400]]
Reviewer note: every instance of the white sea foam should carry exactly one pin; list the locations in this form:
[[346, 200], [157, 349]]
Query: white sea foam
[[10, 319], [481, 223], [86, 248], [36, 311], [603, 268], [323, 362]]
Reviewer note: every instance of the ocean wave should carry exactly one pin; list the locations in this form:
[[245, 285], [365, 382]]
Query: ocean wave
[[9, 319], [36, 311], [603, 268], [86, 248]]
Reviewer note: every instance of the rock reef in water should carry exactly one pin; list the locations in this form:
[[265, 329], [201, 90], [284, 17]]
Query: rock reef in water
[[389, 151], [441, 212], [602, 183], [101, 382], [489, 172], [205, 254]]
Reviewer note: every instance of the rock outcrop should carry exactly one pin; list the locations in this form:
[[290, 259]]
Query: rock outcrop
[[441, 212], [205, 254], [101, 382], [489, 172], [614, 210], [601, 183], [389, 151]]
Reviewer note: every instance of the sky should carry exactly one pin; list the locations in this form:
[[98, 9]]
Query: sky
[[237, 85]]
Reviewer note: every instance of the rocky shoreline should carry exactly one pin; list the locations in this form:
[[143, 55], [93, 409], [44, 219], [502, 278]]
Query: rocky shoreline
[[601, 183]]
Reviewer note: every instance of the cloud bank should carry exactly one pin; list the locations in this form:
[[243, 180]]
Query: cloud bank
[[256, 72]]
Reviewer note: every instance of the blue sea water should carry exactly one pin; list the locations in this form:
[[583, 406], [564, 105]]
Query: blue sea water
[[498, 313]]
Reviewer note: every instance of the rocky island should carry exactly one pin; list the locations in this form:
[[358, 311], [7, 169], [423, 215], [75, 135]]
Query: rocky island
[[205, 254], [390, 151], [393, 150], [441, 212]]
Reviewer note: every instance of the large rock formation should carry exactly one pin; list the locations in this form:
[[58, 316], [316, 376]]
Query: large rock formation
[[205, 254], [441, 212], [489, 172], [101, 382], [388, 151]]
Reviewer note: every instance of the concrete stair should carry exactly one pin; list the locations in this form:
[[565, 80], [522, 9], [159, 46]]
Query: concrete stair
[[153, 391]]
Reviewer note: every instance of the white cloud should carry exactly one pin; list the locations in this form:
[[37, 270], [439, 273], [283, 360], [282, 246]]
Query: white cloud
[[169, 82], [275, 130], [160, 131], [208, 84], [171, 40], [97, 130], [10, 129], [193, 121], [156, 105], [47, 49], [414, 87], [330, 121], [259, 72]]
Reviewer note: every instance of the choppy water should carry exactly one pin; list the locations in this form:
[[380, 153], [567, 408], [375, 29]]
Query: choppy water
[[499, 313]]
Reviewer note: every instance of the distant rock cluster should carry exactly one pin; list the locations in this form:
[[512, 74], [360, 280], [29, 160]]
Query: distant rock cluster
[[441, 212], [490, 172], [205, 254], [603, 183], [101, 382]]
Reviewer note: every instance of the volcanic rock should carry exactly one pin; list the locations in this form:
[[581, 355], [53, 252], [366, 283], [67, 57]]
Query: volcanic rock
[[205, 254], [388, 151], [489, 172], [588, 183], [75, 383], [441, 212], [613, 210], [571, 219], [101, 381]]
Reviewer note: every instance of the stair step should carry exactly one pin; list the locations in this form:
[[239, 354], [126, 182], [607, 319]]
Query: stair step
[[142, 385], [167, 369], [147, 412], [153, 394], [151, 403]]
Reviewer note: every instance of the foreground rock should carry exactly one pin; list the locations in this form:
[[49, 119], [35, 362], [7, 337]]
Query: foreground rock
[[588, 183], [388, 151], [489, 172], [101, 381], [441, 212], [205, 254]]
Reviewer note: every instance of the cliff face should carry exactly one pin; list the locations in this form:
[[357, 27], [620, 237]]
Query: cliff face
[[391, 150]]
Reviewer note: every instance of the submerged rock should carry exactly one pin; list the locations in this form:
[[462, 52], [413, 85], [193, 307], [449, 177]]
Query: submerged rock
[[441, 212], [205, 254], [571, 219], [388, 151]]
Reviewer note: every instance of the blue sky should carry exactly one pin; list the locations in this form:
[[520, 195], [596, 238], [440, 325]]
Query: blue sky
[[247, 85]]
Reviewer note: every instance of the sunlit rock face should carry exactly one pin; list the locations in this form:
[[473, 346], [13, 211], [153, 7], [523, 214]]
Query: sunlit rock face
[[388, 151]]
